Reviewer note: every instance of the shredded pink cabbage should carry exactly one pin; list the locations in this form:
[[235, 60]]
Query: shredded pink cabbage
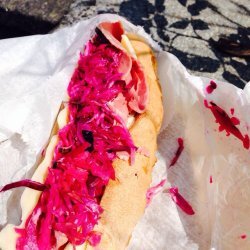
[[178, 152], [151, 192], [180, 201], [94, 238], [24, 183], [82, 162]]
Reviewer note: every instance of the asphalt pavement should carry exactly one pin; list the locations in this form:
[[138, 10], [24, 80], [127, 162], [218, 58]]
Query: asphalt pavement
[[190, 29]]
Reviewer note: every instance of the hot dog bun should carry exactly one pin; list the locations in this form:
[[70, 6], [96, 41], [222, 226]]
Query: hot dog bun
[[124, 199]]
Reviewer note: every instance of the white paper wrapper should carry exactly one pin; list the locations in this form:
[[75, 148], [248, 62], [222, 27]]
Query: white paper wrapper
[[34, 75]]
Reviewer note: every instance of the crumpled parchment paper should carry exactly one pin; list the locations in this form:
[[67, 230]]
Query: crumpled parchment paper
[[34, 75]]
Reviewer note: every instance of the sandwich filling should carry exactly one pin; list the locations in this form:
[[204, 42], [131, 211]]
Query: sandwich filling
[[107, 88]]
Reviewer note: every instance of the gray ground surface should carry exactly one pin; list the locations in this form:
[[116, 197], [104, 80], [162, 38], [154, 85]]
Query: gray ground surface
[[185, 28], [50, 10], [29, 17]]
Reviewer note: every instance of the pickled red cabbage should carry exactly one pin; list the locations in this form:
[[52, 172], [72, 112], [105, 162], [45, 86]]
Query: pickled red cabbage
[[69, 208]]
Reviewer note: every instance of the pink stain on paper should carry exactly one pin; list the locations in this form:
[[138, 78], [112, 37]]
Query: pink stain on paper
[[243, 236], [227, 123], [211, 179]]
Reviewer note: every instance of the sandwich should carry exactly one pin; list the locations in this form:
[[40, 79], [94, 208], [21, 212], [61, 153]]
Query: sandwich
[[89, 190]]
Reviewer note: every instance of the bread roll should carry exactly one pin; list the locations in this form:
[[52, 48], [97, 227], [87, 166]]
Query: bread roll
[[124, 199]]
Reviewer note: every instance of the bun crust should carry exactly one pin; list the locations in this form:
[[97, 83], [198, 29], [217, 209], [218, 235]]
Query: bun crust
[[124, 199]]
